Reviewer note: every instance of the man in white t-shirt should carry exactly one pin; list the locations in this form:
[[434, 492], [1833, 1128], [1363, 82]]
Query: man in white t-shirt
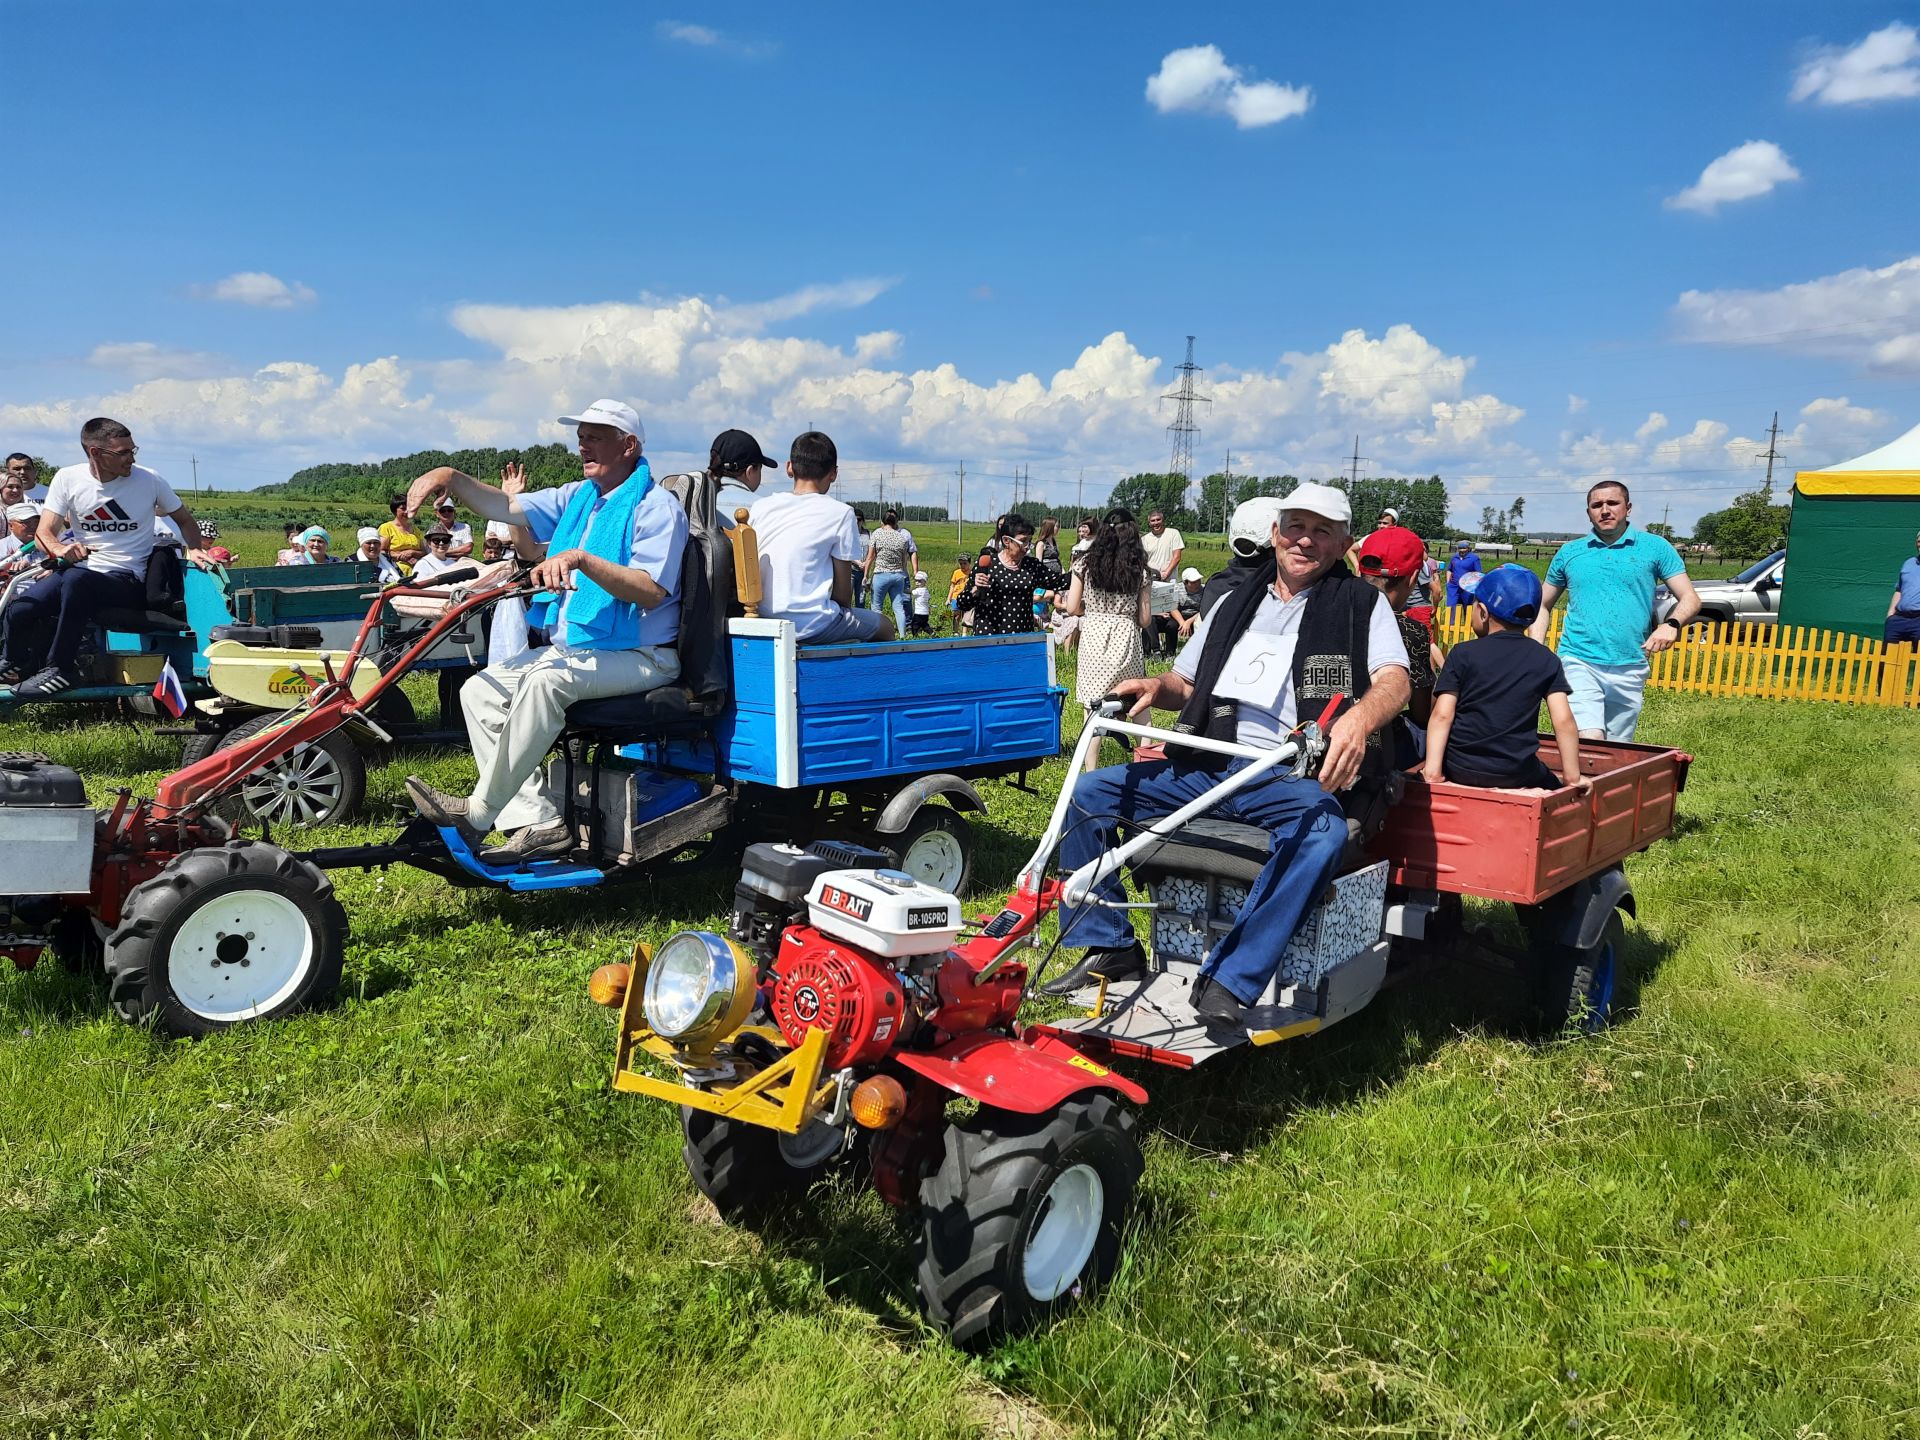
[[809, 547], [1163, 546], [111, 505]]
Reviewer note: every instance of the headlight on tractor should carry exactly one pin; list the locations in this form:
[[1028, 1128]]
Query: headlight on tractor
[[699, 988]]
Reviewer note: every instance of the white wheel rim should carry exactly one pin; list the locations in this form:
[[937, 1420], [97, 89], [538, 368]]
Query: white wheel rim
[[238, 955], [1064, 1232], [935, 858], [301, 788]]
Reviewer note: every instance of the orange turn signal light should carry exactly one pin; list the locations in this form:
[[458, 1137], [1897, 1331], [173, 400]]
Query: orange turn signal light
[[878, 1102], [609, 984]]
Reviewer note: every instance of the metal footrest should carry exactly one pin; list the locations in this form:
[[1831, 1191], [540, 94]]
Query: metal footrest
[[538, 875], [1153, 1019]]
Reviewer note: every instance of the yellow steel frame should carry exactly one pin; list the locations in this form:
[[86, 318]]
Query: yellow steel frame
[[785, 1096]]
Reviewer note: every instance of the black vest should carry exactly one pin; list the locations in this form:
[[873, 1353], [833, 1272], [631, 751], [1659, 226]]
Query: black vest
[[1330, 658]]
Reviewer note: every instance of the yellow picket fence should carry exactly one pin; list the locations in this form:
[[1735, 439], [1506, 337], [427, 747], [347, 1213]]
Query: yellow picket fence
[[1764, 662]]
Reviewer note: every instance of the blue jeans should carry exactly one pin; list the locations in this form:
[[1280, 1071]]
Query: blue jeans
[[891, 585], [1308, 828]]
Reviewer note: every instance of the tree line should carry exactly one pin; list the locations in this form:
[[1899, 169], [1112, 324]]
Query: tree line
[[1422, 504]]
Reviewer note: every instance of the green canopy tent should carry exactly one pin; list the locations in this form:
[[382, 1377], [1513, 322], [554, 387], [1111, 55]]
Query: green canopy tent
[[1853, 523]]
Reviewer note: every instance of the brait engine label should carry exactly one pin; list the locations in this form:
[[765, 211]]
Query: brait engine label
[[925, 918], [847, 903]]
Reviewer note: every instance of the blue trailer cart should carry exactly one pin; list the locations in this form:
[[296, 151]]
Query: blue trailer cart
[[874, 744]]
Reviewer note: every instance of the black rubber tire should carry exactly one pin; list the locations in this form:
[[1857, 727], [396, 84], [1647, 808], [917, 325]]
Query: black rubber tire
[[76, 944], [741, 1167], [395, 713], [139, 951], [197, 746], [337, 748], [1574, 984], [447, 685], [931, 819], [982, 1205]]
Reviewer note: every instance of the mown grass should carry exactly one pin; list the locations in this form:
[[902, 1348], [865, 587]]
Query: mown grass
[[422, 1212]]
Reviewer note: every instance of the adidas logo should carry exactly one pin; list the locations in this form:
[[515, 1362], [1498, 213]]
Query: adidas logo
[[110, 518]]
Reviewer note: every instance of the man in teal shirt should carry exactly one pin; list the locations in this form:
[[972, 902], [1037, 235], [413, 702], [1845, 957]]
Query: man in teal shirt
[[1609, 578]]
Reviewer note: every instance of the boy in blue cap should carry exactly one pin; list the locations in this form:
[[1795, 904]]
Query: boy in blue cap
[[1486, 700]]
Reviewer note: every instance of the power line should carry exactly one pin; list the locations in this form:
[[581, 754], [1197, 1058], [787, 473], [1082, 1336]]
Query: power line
[[1185, 427]]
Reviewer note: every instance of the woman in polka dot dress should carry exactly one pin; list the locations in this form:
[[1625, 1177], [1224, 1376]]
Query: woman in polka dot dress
[[1000, 599]]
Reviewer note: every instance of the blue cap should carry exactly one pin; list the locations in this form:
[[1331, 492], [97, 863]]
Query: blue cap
[[1511, 594]]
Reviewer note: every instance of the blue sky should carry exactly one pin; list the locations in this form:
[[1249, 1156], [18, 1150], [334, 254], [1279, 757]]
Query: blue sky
[[267, 236]]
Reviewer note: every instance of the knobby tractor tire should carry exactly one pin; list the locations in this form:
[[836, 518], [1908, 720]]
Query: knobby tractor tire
[[328, 778], [1008, 1181], [197, 746], [744, 1169], [1575, 983], [936, 847], [223, 935], [76, 944]]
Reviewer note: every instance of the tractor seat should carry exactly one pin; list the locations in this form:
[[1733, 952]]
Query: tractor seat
[[1233, 851], [143, 622], [165, 612], [665, 712]]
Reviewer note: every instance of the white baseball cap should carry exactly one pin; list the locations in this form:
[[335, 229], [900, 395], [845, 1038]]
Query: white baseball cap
[[366, 533], [23, 511], [919, 574], [1252, 527], [610, 412], [1320, 500], [1191, 574]]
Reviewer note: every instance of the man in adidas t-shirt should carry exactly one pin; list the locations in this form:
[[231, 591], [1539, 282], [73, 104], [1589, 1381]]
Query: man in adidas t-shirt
[[110, 505]]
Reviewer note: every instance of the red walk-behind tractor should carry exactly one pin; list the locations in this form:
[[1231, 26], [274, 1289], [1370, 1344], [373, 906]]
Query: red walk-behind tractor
[[841, 1017]]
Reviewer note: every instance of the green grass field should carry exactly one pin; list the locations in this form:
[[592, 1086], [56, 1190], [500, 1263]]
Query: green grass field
[[423, 1213]]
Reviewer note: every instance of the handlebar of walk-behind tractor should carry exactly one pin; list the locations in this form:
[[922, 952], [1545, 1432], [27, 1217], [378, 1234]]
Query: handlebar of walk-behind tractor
[[1305, 747], [331, 703]]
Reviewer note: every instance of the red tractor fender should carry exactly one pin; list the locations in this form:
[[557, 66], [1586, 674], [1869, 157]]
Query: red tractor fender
[[1028, 1076]]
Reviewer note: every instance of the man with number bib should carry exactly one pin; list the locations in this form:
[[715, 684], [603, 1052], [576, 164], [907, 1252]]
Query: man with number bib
[[615, 543], [1270, 654]]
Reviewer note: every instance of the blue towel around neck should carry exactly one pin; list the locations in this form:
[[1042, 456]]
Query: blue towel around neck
[[597, 620]]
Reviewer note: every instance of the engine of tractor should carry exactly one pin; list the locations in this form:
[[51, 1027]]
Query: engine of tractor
[[774, 881], [874, 941]]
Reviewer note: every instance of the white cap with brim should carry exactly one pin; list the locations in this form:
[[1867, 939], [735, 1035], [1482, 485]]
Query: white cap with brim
[[23, 511], [1320, 500], [366, 533], [1191, 574], [610, 412], [1252, 527]]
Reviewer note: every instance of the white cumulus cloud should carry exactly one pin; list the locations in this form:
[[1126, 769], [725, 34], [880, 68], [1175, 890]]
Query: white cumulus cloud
[[1742, 173], [1869, 316], [1884, 66], [695, 365], [1199, 78], [256, 287]]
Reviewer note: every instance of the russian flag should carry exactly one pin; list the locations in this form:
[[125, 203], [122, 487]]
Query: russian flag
[[168, 692]]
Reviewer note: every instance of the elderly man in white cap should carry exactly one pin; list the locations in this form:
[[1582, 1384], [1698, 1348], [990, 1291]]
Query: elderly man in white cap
[[615, 545], [18, 548], [1267, 657]]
